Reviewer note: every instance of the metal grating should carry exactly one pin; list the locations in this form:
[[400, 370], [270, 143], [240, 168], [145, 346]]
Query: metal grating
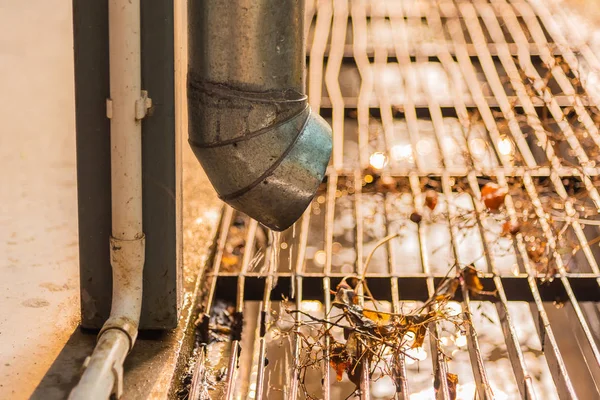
[[443, 96]]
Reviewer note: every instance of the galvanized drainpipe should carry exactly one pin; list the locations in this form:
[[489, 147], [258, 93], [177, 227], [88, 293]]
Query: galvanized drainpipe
[[250, 125], [127, 106]]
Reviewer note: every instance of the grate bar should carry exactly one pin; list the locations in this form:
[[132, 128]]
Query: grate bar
[[453, 74], [580, 43], [411, 285], [329, 220], [495, 30], [524, 54], [263, 316], [515, 171], [513, 346], [440, 366], [409, 77], [482, 383], [583, 333], [359, 29], [508, 63], [434, 107], [430, 50], [223, 233], [554, 358], [315, 67], [402, 392], [420, 101], [381, 55], [235, 344], [334, 62], [365, 381], [487, 54], [300, 263]]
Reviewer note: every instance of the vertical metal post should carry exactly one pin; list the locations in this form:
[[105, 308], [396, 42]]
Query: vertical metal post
[[161, 161]]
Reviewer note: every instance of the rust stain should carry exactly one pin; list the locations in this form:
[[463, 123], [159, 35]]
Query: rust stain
[[53, 287], [35, 302]]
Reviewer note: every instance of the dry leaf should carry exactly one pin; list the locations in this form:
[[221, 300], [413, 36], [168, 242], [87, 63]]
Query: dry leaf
[[493, 195], [510, 228], [379, 317], [229, 260], [452, 380], [431, 199], [339, 359], [420, 333], [472, 281]]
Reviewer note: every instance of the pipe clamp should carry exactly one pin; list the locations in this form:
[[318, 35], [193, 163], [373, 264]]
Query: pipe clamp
[[142, 105]]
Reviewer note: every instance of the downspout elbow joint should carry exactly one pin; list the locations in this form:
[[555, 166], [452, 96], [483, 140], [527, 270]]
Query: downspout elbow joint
[[127, 261]]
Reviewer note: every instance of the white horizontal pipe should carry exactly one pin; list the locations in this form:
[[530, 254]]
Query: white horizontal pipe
[[102, 371]]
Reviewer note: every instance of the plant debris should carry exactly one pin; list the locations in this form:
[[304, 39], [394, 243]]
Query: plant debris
[[357, 340]]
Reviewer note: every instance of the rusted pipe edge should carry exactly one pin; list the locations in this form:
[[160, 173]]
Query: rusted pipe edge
[[273, 167]]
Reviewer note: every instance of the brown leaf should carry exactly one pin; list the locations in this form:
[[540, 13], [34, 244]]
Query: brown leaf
[[451, 380], [431, 199], [447, 289], [339, 359], [379, 317], [493, 195], [472, 281], [510, 228], [229, 260], [420, 333], [473, 284]]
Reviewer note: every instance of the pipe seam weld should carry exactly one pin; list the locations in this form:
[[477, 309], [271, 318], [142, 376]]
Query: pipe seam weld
[[222, 91], [273, 166], [288, 105], [251, 135]]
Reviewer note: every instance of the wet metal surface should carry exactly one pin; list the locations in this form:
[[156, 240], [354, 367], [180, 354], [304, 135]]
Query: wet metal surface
[[250, 125]]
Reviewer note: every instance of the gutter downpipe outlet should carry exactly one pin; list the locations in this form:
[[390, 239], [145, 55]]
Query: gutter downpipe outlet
[[250, 125], [127, 106]]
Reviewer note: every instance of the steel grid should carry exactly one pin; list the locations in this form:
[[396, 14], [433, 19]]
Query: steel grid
[[505, 87]]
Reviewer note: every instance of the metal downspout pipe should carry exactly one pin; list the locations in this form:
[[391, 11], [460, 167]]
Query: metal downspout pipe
[[250, 125], [127, 106]]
